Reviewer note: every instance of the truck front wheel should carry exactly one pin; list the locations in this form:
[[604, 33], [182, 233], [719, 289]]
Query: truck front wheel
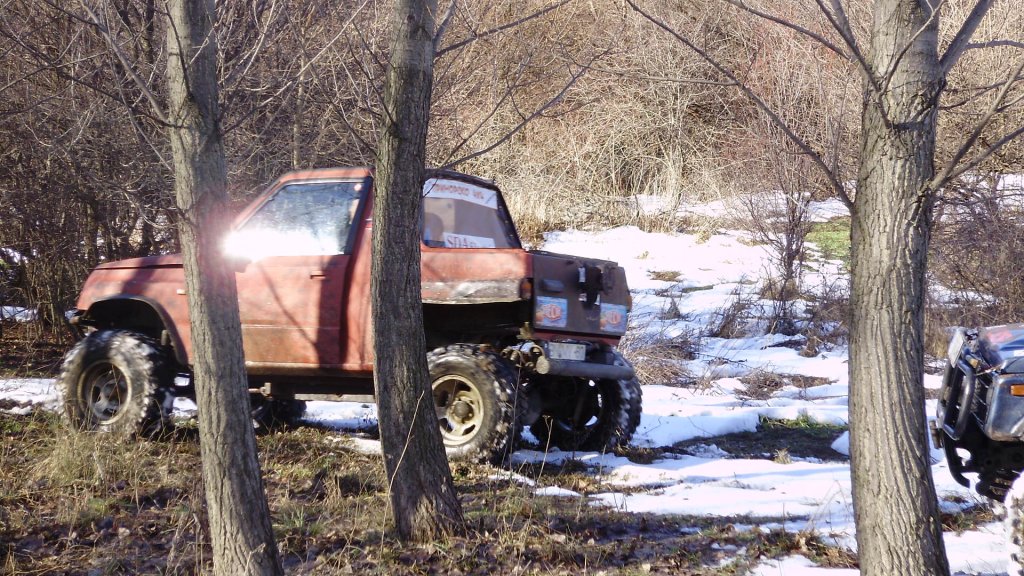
[[117, 381], [476, 398]]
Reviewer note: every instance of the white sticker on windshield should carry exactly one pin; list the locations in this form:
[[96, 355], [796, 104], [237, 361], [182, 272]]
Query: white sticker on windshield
[[467, 241], [455, 190]]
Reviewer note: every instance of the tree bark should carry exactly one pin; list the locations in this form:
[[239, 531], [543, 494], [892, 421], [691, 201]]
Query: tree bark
[[897, 516], [421, 488], [239, 518]]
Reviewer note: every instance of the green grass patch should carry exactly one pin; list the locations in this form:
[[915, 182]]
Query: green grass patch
[[832, 238], [804, 424]]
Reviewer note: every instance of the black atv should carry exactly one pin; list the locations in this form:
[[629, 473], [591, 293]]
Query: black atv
[[981, 408]]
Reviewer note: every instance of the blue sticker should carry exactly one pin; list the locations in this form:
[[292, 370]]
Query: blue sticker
[[613, 318], [551, 312]]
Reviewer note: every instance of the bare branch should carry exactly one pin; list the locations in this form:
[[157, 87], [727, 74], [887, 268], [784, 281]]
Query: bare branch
[[995, 44], [242, 69], [806, 148], [985, 155], [527, 119], [445, 22], [59, 68], [636, 76], [480, 125], [975, 92], [961, 41], [837, 18], [479, 35], [952, 170], [157, 109], [741, 4], [295, 79]]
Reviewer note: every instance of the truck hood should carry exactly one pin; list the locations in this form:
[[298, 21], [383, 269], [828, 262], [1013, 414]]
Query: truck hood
[[1003, 347]]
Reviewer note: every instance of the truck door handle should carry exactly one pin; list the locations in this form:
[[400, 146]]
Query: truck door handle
[[317, 274]]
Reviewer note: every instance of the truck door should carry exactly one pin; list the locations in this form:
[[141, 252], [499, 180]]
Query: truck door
[[296, 250]]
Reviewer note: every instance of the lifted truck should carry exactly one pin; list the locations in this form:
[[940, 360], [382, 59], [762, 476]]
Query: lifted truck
[[980, 417], [518, 338]]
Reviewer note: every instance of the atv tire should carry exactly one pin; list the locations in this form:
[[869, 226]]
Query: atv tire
[[476, 399], [119, 382], [597, 415]]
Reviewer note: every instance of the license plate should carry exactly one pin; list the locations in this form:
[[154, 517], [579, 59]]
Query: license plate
[[563, 351], [956, 346]]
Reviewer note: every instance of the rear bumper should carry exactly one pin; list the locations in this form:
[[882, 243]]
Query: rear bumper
[[580, 369]]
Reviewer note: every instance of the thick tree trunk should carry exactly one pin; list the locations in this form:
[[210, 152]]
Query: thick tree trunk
[[422, 491], [239, 518], [898, 527]]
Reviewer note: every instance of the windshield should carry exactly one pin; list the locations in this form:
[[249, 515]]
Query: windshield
[[313, 218], [458, 214]]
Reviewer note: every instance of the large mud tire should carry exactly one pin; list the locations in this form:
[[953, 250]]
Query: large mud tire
[[477, 400], [597, 415], [119, 382]]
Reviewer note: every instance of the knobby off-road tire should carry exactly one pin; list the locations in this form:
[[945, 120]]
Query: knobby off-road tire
[[119, 382], [599, 415], [477, 401]]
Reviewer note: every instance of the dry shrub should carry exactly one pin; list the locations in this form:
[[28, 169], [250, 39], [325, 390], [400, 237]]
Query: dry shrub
[[735, 319], [826, 315], [633, 125], [976, 253], [763, 384], [659, 359]]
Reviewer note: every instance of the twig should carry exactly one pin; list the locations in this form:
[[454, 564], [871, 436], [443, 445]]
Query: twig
[[833, 180], [502, 28]]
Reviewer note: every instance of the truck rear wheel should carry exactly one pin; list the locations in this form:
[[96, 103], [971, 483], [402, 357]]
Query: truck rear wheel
[[275, 413], [476, 398], [598, 415], [119, 382]]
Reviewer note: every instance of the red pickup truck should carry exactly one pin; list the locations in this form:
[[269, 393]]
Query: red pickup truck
[[519, 338]]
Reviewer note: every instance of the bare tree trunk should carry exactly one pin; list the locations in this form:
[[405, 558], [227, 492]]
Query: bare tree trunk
[[422, 491], [239, 518], [898, 527]]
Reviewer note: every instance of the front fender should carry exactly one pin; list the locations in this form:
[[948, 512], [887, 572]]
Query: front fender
[[139, 314]]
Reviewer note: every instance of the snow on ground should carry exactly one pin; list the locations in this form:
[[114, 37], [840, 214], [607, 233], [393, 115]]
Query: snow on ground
[[711, 275], [17, 314], [30, 391]]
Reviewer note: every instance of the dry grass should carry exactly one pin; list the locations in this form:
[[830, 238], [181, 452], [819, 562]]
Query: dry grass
[[660, 359], [762, 384], [734, 319], [77, 503]]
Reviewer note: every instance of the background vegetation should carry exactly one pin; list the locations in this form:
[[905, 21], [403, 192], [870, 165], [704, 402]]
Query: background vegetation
[[578, 111]]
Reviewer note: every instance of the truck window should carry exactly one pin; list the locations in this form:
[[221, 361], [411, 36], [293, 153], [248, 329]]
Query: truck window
[[458, 214], [312, 218]]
